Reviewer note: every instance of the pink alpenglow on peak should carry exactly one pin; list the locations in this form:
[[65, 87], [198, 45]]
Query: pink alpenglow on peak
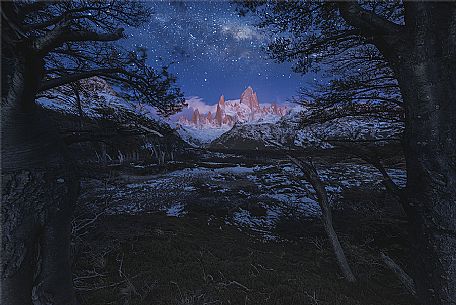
[[221, 101], [220, 113], [249, 98], [247, 109], [196, 117]]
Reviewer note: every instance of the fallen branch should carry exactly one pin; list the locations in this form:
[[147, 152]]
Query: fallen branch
[[403, 277], [78, 227], [312, 177]]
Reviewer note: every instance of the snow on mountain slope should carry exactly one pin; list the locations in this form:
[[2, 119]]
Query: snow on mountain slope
[[199, 137], [237, 124], [229, 112], [288, 132], [347, 128], [98, 100], [203, 128], [252, 136], [245, 124]]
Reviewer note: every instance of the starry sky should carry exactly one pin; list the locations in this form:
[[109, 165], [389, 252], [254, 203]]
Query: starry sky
[[214, 51]]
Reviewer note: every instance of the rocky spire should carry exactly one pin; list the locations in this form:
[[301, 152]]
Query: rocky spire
[[249, 98], [274, 108], [196, 117], [230, 112], [218, 116], [221, 101]]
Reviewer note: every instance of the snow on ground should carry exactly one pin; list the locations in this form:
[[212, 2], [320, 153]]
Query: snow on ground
[[253, 198], [176, 210], [200, 136]]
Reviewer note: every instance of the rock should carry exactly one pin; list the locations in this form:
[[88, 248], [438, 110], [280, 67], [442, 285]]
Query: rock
[[228, 113], [219, 116], [221, 101], [196, 117], [249, 98]]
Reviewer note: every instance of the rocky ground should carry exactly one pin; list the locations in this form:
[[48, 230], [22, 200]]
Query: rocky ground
[[234, 229]]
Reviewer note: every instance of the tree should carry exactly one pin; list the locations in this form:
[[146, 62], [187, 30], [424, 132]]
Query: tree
[[311, 174], [415, 43], [359, 85], [46, 45]]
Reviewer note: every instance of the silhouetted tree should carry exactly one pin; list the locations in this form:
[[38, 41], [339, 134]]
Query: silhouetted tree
[[410, 46], [46, 45], [311, 174]]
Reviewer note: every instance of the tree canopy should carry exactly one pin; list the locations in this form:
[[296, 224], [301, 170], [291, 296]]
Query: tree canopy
[[314, 36], [79, 39]]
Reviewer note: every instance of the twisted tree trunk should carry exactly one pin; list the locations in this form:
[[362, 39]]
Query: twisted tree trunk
[[38, 192], [426, 71], [422, 54], [430, 149]]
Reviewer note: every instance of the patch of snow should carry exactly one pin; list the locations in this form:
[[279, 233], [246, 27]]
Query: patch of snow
[[176, 210]]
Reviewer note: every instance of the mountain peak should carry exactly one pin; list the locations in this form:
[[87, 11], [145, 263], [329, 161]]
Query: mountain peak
[[196, 117], [249, 98], [227, 112], [221, 101]]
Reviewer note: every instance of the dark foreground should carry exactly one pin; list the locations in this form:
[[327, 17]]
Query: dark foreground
[[206, 255]]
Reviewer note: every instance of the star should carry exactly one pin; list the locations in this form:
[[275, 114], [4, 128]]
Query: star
[[211, 49]]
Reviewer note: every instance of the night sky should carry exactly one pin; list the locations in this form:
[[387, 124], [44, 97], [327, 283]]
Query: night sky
[[214, 51]]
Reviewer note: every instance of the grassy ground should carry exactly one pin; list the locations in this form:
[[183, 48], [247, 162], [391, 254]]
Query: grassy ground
[[154, 259]]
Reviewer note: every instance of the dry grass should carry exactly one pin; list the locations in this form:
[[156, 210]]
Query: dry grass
[[154, 259]]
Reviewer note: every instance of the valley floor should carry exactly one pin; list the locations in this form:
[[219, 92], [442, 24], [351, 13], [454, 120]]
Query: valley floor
[[234, 229]]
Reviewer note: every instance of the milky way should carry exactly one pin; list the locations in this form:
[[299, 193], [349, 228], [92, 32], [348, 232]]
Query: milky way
[[214, 51]]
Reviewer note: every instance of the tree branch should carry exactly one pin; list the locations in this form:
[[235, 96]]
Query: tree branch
[[312, 177], [74, 36], [347, 35], [69, 14], [61, 34], [63, 80], [367, 21], [405, 279]]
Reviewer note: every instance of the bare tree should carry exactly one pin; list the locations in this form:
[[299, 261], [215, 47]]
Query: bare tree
[[47, 45], [313, 178], [417, 42]]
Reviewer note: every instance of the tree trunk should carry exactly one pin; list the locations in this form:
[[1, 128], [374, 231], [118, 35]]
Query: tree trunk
[[312, 177], [427, 78], [77, 95], [430, 146], [403, 277], [38, 192]]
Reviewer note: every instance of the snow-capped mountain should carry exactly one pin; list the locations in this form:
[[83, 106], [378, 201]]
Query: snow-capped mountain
[[202, 128], [245, 124], [245, 109], [235, 124], [289, 132]]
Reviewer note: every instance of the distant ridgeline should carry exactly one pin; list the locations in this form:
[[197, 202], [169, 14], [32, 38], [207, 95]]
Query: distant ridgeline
[[107, 127], [246, 109]]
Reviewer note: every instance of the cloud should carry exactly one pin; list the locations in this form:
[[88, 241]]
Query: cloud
[[197, 102], [194, 102]]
